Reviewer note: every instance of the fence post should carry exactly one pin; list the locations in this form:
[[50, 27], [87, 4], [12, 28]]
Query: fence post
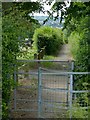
[[39, 93], [71, 95], [15, 81], [72, 65], [68, 90]]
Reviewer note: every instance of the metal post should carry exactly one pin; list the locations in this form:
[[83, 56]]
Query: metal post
[[71, 95], [69, 68], [67, 89], [72, 65], [39, 93], [15, 79]]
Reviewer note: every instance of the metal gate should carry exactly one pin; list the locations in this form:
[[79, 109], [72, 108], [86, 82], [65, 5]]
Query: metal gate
[[44, 90], [57, 95], [53, 93]]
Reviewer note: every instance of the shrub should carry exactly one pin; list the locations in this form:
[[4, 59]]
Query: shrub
[[79, 42], [52, 38], [13, 28], [78, 112]]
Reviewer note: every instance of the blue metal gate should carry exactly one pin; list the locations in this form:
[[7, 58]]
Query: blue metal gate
[[44, 90], [58, 96]]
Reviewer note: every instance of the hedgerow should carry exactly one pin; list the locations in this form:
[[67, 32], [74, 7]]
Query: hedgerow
[[51, 38], [14, 33], [79, 42]]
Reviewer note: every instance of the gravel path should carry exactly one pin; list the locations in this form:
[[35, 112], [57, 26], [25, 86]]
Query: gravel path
[[64, 53], [56, 98]]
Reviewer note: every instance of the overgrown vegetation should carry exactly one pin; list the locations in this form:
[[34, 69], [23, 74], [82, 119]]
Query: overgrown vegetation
[[79, 41], [78, 38], [14, 32], [51, 38], [78, 112]]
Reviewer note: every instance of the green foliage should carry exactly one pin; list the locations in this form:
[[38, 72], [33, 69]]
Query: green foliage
[[73, 41], [79, 41], [75, 12], [52, 38], [78, 112], [24, 7], [15, 29]]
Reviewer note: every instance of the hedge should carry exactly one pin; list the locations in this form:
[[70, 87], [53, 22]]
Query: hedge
[[52, 38]]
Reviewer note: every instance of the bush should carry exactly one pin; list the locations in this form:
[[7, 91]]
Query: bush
[[78, 112], [52, 38], [13, 28], [79, 42]]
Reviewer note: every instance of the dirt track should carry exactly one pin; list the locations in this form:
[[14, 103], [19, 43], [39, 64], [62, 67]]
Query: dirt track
[[64, 53]]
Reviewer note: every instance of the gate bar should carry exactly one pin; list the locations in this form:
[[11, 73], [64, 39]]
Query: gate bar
[[58, 73], [43, 61], [72, 65], [71, 93], [39, 93], [67, 73]]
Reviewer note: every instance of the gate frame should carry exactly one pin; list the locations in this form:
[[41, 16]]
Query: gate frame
[[39, 81]]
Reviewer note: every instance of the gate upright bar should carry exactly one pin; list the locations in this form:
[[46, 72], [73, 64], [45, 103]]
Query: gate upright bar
[[71, 93], [39, 93]]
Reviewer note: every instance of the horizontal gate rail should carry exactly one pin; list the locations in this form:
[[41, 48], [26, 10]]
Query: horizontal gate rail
[[67, 73], [31, 73], [59, 73], [81, 91], [55, 89], [64, 90], [26, 110], [43, 61], [52, 101], [27, 100]]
